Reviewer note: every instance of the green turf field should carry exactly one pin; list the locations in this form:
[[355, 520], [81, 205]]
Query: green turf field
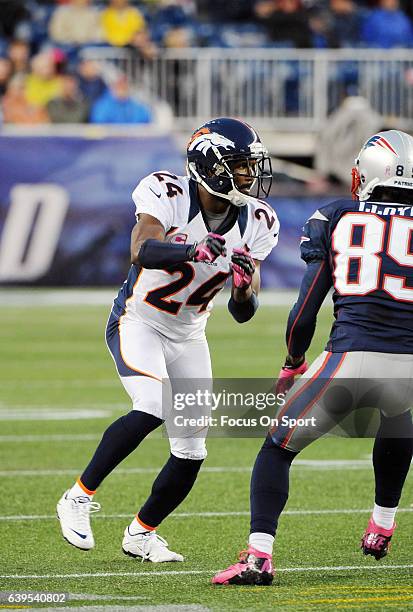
[[55, 363]]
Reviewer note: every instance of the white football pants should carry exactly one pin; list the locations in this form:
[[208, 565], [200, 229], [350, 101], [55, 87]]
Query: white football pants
[[146, 360]]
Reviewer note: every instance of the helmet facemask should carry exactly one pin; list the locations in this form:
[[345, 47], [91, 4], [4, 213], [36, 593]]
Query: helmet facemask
[[355, 181], [226, 178]]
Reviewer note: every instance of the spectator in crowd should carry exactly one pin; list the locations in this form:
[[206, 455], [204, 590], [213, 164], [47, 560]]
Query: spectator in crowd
[[59, 59], [91, 84], [345, 24], [336, 25], [171, 14], [16, 109], [145, 47], [387, 26], [70, 107], [43, 84], [5, 74], [320, 25], [180, 78], [118, 106], [75, 23], [221, 11], [178, 38], [19, 55], [121, 22], [12, 13], [286, 22]]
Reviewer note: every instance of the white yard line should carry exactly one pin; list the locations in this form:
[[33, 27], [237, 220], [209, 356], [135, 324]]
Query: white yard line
[[118, 608], [59, 413], [91, 597], [50, 438], [184, 515], [150, 573], [308, 464], [81, 383], [26, 298]]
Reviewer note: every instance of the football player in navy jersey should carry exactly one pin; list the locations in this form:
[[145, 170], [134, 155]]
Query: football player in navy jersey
[[363, 248]]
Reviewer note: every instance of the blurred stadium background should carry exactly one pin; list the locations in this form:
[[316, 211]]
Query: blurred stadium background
[[95, 95]]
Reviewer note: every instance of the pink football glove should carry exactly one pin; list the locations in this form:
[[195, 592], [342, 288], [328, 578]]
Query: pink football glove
[[211, 247], [243, 266], [287, 375]]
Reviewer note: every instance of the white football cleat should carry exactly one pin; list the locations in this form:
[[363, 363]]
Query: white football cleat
[[149, 546], [74, 518]]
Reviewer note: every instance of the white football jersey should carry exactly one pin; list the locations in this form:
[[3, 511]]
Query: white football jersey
[[178, 301]]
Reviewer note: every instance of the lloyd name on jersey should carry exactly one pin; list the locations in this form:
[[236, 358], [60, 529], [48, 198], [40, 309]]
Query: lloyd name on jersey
[[177, 301]]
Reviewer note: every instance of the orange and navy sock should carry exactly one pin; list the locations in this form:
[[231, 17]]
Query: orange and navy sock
[[79, 489], [138, 526]]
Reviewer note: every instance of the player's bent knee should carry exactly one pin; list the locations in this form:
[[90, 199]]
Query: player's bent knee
[[271, 444], [400, 426], [145, 393]]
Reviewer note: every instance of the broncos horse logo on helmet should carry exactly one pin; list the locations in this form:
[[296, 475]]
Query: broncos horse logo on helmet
[[202, 141], [216, 148]]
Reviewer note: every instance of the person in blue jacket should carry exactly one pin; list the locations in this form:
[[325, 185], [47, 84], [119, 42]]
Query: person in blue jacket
[[118, 106]]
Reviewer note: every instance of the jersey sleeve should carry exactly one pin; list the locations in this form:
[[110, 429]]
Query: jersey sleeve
[[315, 238], [150, 198], [266, 236], [303, 316]]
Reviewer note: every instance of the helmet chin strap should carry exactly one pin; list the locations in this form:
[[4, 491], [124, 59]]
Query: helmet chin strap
[[235, 196]]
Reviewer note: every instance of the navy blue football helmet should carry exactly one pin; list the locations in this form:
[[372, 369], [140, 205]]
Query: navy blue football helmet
[[214, 151]]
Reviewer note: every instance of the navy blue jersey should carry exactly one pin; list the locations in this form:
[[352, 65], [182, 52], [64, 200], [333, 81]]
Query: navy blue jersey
[[365, 251]]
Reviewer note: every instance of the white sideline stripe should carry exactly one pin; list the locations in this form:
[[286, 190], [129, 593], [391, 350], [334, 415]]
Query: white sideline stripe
[[39, 408], [56, 413], [315, 464], [112, 608], [149, 573], [104, 297], [59, 384], [90, 597], [61, 415], [118, 608], [182, 515], [50, 438]]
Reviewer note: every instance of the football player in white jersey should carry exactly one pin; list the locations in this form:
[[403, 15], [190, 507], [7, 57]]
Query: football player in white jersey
[[192, 233]]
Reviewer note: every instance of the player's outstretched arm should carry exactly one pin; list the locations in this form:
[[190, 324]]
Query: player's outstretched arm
[[245, 285], [303, 316], [302, 322], [149, 249]]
